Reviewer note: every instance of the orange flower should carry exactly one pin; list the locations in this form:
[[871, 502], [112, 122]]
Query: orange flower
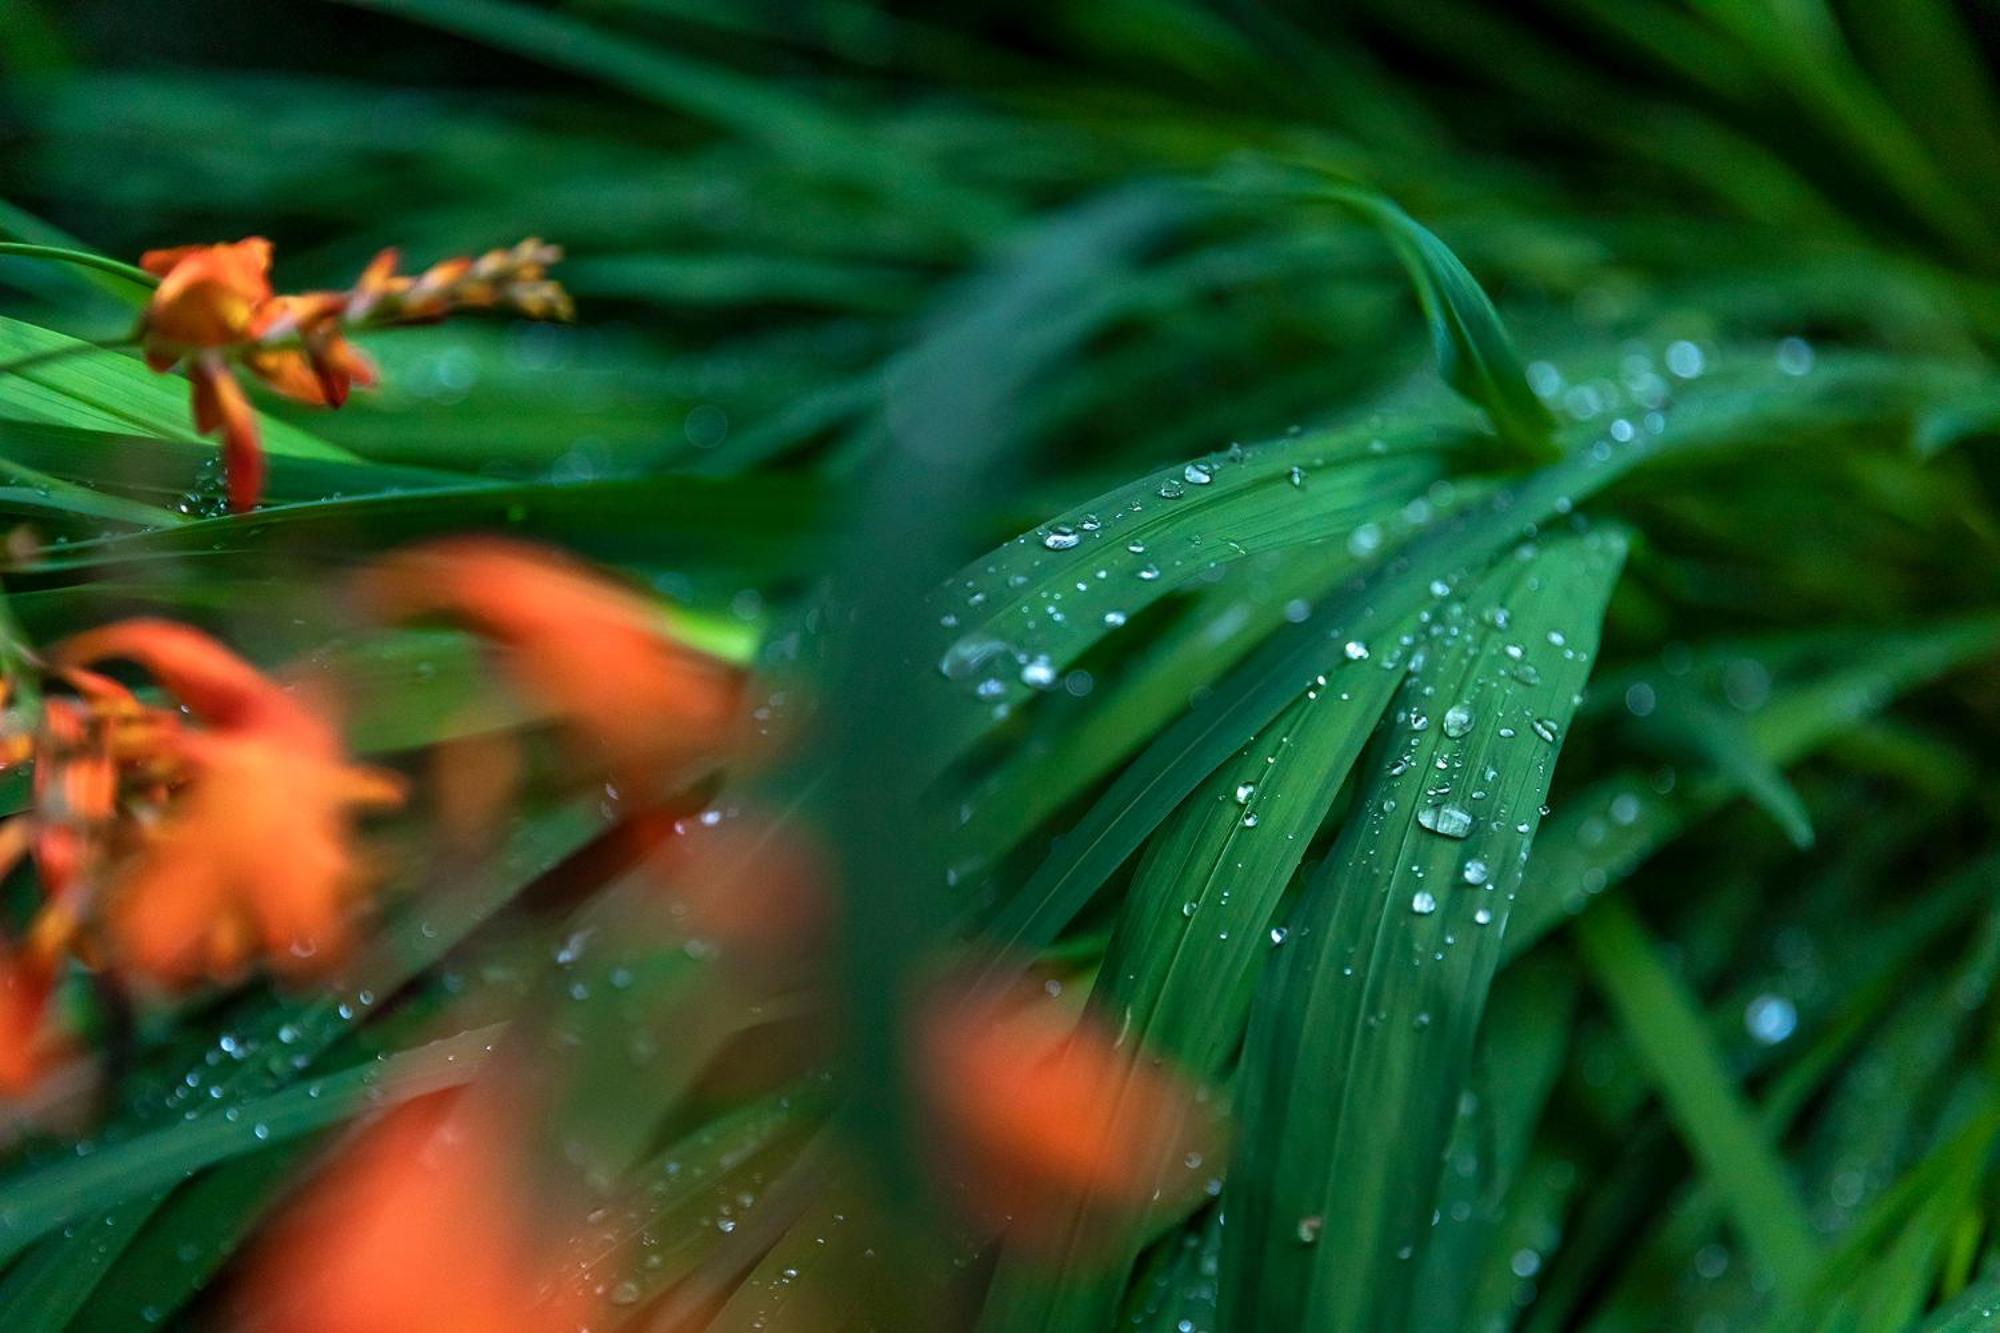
[[593, 653], [252, 851], [214, 308], [1038, 1108], [253, 857], [209, 297], [29, 1045], [424, 1223]]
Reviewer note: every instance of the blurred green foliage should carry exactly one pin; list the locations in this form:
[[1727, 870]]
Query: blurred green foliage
[[1117, 290]]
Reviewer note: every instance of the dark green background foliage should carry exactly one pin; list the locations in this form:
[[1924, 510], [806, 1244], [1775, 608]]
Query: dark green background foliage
[[1315, 556]]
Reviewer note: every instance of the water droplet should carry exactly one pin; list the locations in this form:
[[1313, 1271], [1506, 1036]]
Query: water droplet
[[1770, 1019], [1039, 673], [1149, 573], [1355, 650], [1171, 489], [1482, 917], [1684, 359], [1244, 791], [1061, 537], [1474, 872], [1422, 903], [1309, 1229], [1197, 474], [1546, 728], [1448, 821], [1795, 356], [968, 657], [1279, 934], [1457, 721]]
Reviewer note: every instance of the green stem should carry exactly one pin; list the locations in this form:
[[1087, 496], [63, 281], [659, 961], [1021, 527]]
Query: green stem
[[61, 254]]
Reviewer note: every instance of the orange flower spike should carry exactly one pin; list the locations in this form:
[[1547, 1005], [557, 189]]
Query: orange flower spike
[[516, 277], [423, 1223], [592, 652]]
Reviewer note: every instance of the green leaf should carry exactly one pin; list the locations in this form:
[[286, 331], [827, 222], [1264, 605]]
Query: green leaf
[[104, 391], [1361, 1042], [1474, 354], [1192, 940], [1665, 1026]]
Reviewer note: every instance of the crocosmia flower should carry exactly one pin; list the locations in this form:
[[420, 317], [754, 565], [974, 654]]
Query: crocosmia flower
[[215, 312]]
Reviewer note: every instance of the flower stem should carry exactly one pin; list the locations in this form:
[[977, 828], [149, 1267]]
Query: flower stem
[[62, 254]]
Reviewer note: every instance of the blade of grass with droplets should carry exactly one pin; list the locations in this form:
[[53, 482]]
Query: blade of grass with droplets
[[1178, 1294], [1722, 412], [1022, 615], [702, 1187], [188, 1240], [1523, 1042], [1189, 750], [1665, 1027], [1192, 938], [1902, 945], [1601, 834], [1362, 1036], [106, 391], [649, 518], [1846, 1286]]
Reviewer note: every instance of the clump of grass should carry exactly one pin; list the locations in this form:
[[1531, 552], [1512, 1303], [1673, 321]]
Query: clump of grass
[[1424, 577]]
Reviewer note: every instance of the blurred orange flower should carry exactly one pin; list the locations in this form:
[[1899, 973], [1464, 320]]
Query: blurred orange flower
[[425, 1224], [751, 885], [214, 309], [251, 853], [1038, 1108], [29, 1044], [593, 653]]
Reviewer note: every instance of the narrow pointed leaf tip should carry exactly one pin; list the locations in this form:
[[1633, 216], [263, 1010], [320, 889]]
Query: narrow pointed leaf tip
[[1475, 355]]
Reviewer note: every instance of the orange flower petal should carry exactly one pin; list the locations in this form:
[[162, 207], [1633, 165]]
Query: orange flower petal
[[208, 295], [255, 856], [220, 404], [28, 1045], [590, 651], [1039, 1109], [218, 687], [424, 1223], [287, 371]]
